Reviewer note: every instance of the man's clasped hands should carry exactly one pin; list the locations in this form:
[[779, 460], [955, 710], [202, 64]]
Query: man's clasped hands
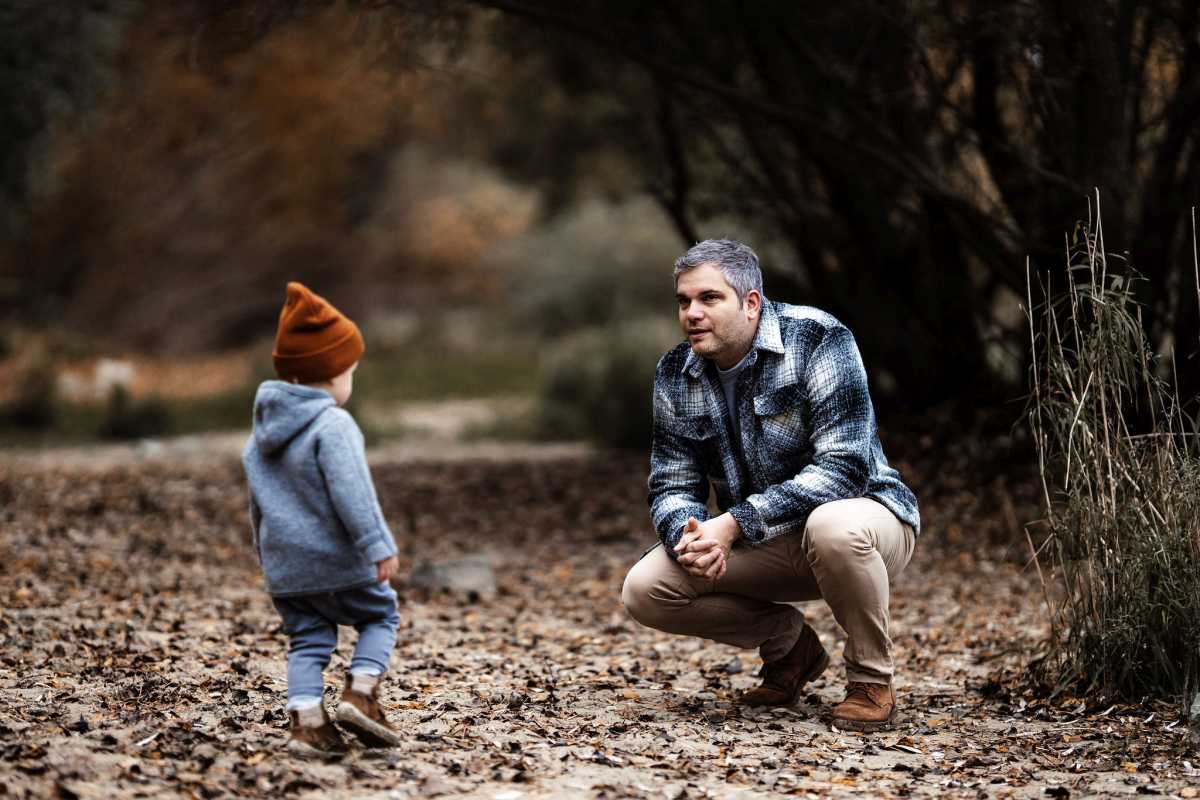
[[703, 550]]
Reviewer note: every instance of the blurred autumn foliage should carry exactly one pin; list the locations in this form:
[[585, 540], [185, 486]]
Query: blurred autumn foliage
[[210, 178]]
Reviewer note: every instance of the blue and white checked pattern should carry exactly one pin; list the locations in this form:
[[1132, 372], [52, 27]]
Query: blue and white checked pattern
[[807, 432]]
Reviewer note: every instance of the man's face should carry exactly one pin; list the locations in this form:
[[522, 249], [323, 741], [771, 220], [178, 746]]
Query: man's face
[[716, 325]]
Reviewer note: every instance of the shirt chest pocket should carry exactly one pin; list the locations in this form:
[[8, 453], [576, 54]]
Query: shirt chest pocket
[[701, 435], [781, 419]]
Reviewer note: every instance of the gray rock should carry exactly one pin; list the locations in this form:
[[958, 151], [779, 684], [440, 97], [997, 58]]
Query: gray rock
[[470, 575]]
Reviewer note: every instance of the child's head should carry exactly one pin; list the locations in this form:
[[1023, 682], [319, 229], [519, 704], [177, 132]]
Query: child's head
[[316, 344]]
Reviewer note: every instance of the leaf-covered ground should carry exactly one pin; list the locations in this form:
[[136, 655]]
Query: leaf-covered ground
[[140, 657]]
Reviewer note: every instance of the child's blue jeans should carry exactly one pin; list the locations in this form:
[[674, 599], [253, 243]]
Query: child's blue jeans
[[311, 622]]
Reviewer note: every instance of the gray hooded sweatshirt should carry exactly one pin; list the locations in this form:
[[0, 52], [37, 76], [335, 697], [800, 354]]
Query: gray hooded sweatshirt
[[317, 523]]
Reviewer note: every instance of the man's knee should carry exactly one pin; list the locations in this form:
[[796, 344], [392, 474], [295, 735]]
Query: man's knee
[[635, 594], [645, 595], [833, 535]]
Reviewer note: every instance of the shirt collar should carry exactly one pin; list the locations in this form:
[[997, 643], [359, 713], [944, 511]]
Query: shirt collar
[[768, 337]]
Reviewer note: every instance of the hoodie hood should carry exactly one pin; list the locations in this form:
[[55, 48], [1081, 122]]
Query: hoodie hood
[[283, 410]]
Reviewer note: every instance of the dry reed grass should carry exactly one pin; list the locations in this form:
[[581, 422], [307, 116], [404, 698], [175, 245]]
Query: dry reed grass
[[1120, 466]]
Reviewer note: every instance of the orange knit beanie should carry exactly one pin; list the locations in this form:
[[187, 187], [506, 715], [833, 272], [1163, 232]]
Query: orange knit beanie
[[315, 341]]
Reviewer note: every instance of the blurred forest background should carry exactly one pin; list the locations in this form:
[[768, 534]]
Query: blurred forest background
[[497, 189]]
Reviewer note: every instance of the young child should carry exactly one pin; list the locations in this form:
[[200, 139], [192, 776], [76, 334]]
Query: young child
[[318, 529]]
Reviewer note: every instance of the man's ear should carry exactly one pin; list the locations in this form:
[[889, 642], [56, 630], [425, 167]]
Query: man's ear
[[753, 303]]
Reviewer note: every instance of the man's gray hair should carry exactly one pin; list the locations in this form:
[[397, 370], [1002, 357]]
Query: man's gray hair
[[738, 264]]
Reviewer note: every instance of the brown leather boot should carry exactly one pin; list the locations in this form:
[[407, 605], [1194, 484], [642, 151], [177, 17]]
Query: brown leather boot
[[359, 711], [783, 678], [867, 707], [321, 740]]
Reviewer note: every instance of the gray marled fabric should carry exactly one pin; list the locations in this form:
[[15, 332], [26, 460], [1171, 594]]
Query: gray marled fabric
[[317, 523], [806, 429]]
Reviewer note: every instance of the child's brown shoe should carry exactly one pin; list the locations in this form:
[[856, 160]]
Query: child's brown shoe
[[313, 735], [360, 713]]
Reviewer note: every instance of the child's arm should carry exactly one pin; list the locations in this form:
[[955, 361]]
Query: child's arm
[[343, 461]]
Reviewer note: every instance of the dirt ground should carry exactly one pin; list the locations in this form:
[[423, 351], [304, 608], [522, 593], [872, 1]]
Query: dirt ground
[[139, 656]]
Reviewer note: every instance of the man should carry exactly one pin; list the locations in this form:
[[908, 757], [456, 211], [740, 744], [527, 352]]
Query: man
[[768, 403]]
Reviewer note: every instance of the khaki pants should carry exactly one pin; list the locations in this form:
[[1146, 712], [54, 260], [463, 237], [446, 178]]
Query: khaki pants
[[849, 552]]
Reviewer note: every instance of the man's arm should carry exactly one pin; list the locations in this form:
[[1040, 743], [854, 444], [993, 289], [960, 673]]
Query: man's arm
[[842, 422], [678, 487]]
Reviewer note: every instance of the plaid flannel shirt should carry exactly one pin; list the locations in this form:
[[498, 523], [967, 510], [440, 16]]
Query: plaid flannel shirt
[[806, 433]]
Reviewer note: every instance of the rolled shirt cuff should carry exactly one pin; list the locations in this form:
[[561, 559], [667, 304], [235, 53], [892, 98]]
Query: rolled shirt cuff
[[748, 519], [381, 549]]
